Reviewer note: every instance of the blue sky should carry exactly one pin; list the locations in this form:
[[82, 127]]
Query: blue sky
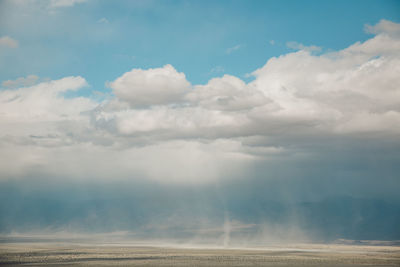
[[99, 40], [180, 117]]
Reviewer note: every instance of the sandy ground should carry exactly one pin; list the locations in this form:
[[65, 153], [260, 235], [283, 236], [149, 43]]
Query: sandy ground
[[57, 254]]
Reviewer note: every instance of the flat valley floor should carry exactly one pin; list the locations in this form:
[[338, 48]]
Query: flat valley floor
[[64, 254]]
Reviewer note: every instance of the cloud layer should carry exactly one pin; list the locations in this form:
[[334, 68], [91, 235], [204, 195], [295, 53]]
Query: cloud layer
[[297, 104]]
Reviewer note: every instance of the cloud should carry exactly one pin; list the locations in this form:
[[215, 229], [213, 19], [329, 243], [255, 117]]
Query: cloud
[[21, 82], [326, 92], [296, 99], [103, 20], [42, 104], [157, 86], [49, 4], [64, 3], [299, 46], [217, 69], [384, 26], [233, 49], [8, 42], [226, 93], [39, 121]]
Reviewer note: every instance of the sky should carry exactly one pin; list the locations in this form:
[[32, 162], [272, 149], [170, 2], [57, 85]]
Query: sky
[[228, 121]]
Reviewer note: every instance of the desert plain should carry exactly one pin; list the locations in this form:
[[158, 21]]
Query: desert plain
[[74, 254]]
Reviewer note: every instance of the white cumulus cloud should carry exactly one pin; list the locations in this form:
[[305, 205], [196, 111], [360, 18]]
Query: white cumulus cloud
[[141, 88], [385, 27], [25, 111], [226, 93]]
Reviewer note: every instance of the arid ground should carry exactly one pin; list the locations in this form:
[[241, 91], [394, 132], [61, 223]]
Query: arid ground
[[52, 254]]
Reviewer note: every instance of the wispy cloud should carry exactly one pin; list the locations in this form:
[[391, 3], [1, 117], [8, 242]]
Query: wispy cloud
[[64, 3], [103, 20], [233, 49], [217, 69], [21, 82], [300, 46], [8, 42]]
